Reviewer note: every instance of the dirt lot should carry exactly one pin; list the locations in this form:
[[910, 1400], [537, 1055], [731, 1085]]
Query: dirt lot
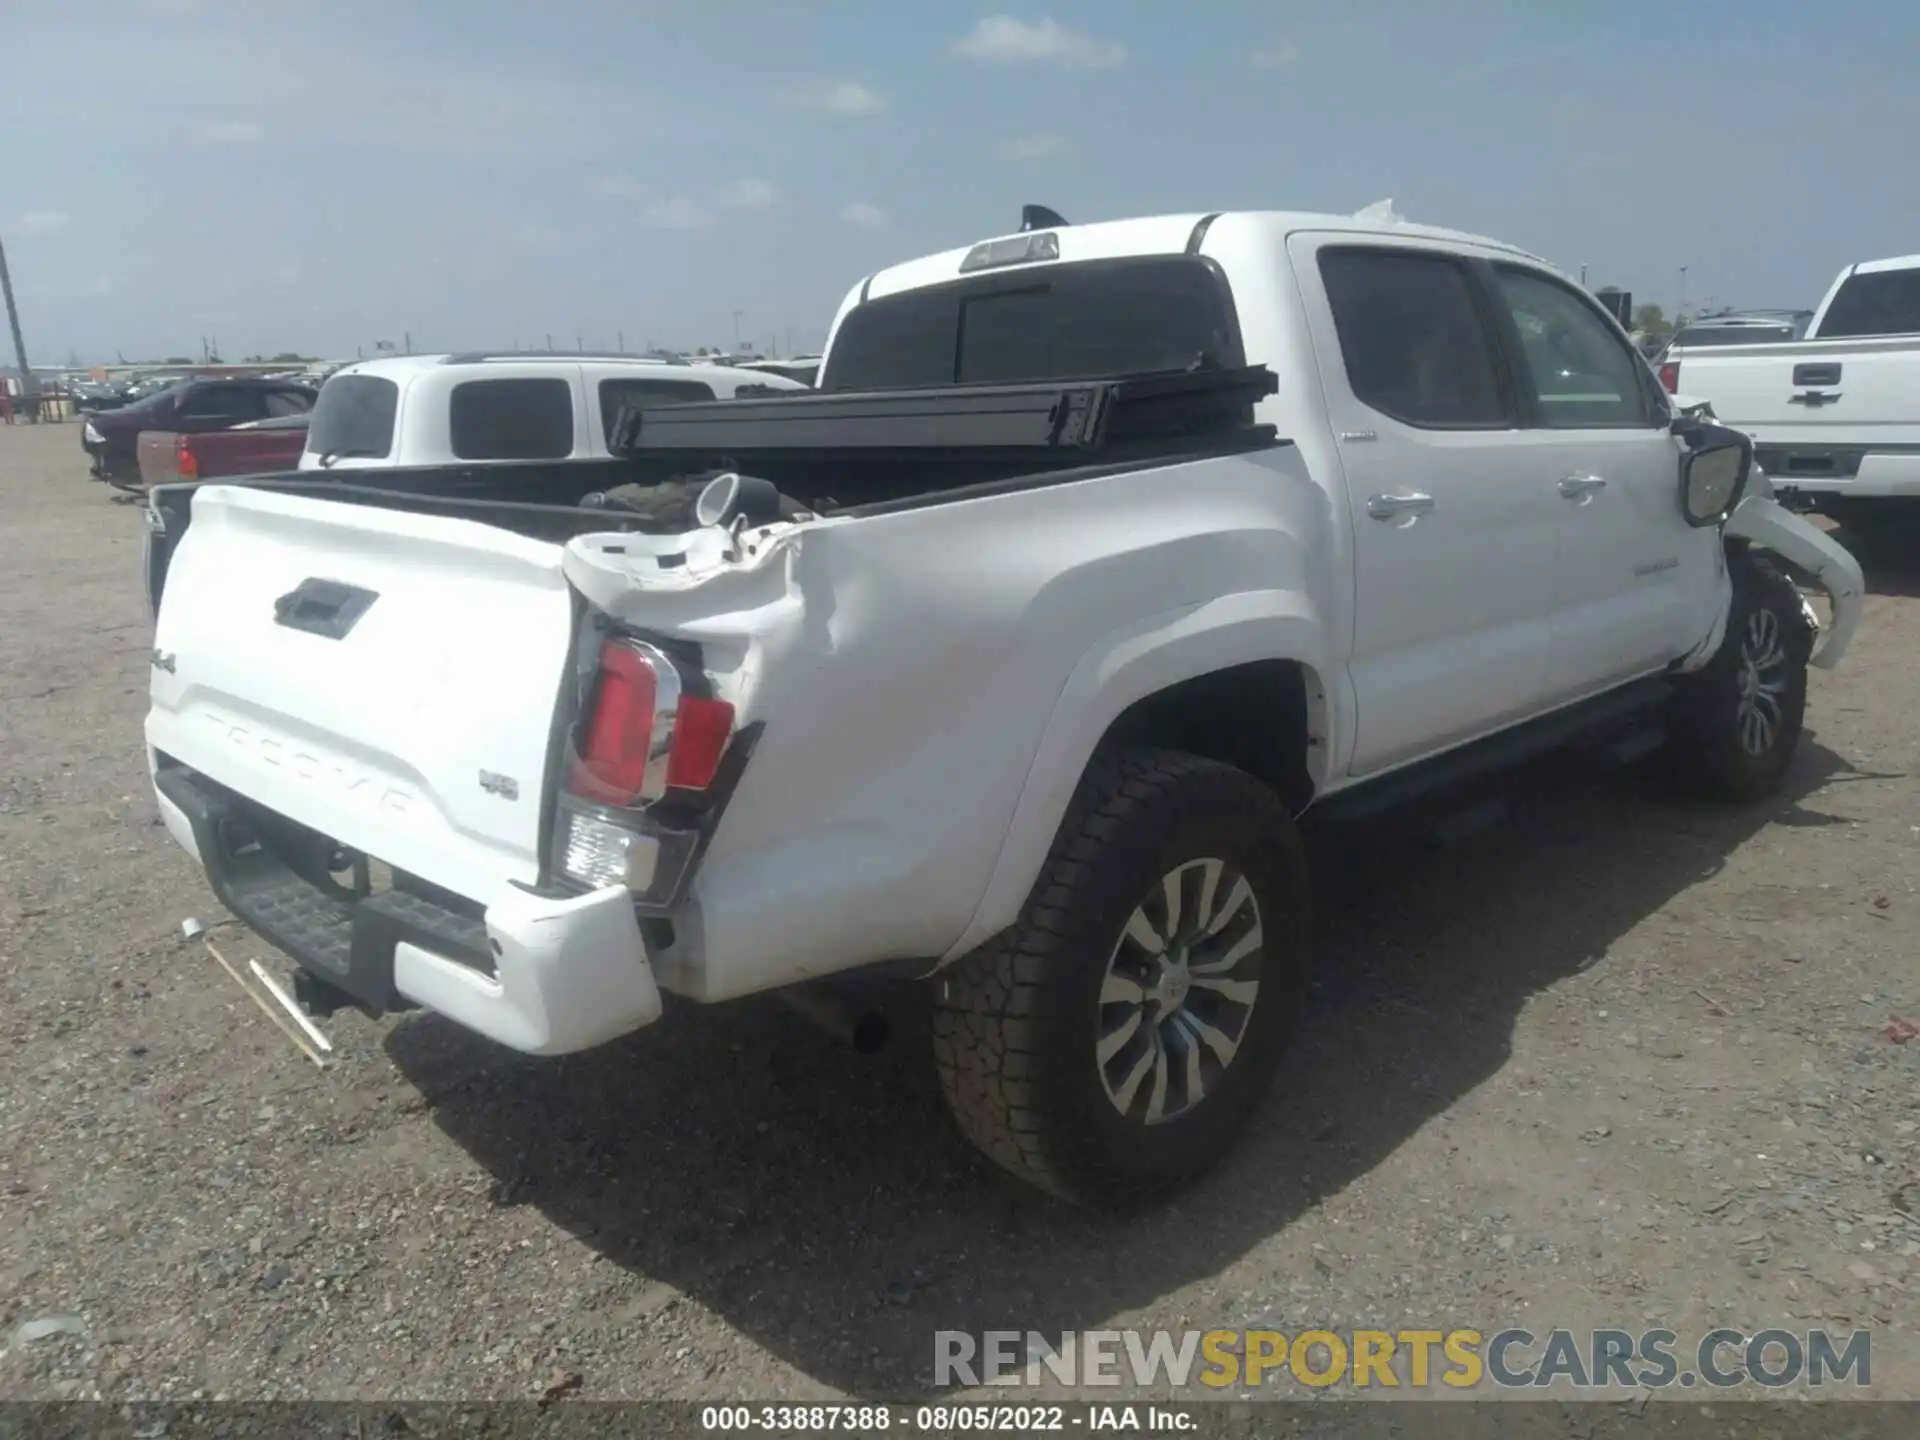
[[1616, 1061]]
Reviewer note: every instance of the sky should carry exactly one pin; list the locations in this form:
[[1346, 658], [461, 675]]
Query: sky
[[320, 176]]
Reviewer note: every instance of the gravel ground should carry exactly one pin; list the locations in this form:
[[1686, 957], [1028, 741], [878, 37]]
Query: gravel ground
[[1615, 1061]]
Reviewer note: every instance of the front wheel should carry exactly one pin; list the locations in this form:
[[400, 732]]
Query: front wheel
[[1112, 1044], [1737, 722]]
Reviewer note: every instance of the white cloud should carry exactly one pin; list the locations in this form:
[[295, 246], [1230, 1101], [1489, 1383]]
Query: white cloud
[[1034, 147], [622, 187], [1275, 57], [867, 217], [1004, 40], [749, 194], [232, 132], [44, 222], [837, 97], [679, 213]]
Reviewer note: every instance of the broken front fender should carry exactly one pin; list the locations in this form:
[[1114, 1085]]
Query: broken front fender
[[1766, 524]]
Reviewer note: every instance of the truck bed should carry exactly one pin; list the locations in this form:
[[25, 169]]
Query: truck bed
[[833, 453]]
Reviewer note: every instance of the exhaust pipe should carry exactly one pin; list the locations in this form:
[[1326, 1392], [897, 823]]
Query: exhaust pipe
[[862, 1026]]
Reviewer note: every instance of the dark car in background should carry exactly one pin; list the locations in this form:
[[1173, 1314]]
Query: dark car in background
[[111, 438]]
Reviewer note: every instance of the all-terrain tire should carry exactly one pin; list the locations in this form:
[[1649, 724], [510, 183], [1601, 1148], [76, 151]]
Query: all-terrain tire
[[1017, 1023], [1736, 723]]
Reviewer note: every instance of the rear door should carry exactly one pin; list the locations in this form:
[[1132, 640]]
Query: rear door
[[1454, 531], [1635, 586]]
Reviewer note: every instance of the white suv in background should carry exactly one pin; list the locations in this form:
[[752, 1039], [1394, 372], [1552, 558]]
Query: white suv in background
[[448, 409]]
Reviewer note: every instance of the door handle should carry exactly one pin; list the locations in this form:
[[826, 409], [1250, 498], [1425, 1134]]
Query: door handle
[[1578, 487], [1392, 507]]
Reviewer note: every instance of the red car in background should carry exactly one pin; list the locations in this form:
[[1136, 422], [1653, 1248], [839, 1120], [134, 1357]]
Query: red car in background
[[167, 457]]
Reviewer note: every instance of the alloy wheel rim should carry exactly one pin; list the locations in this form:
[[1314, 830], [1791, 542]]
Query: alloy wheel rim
[[1764, 675], [1179, 991]]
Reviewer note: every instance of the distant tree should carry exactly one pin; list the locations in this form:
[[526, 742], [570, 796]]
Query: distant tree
[[1652, 321], [176, 360], [289, 357]]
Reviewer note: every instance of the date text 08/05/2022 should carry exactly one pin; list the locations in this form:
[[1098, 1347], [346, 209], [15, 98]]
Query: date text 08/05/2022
[[948, 1419]]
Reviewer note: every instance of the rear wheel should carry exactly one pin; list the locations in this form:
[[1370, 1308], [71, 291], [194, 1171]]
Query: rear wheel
[[1112, 1044], [1737, 722]]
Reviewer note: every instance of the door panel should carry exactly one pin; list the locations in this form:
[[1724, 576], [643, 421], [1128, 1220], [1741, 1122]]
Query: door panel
[[1635, 585], [1454, 533]]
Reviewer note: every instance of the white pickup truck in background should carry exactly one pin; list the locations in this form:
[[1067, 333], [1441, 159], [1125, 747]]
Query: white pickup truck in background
[[1006, 662], [1835, 415]]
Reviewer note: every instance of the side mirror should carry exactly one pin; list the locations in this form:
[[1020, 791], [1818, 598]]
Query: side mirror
[[1713, 473]]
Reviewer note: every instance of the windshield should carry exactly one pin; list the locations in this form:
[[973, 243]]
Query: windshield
[[1060, 322], [354, 417], [1881, 302]]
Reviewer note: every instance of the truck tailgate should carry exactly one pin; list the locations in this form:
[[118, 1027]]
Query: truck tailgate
[[385, 678], [1843, 392]]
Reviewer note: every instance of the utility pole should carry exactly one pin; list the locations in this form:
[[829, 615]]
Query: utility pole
[[1682, 307], [1583, 277], [13, 324], [406, 337], [736, 328], [620, 341]]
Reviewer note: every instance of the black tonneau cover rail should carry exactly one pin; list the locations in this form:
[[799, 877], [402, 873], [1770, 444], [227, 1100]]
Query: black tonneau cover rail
[[1049, 415]]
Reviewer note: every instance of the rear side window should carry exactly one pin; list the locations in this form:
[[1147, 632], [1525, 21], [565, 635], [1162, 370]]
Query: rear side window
[[231, 403], [1063, 322], [354, 417], [288, 402], [1883, 302], [1583, 374], [616, 395], [511, 420], [1413, 339]]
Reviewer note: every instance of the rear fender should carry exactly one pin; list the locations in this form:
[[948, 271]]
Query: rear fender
[[1159, 652]]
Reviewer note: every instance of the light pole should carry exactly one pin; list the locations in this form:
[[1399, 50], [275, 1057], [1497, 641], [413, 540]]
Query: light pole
[[736, 328], [1681, 309], [13, 324]]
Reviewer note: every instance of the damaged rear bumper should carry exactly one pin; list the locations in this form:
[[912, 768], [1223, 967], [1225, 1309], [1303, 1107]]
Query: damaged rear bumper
[[544, 974]]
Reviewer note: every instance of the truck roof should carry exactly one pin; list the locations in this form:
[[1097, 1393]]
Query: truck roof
[[1169, 235], [1897, 262]]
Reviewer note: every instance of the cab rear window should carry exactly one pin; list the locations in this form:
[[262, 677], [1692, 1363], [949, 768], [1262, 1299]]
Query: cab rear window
[[1075, 321], [1874, 302]]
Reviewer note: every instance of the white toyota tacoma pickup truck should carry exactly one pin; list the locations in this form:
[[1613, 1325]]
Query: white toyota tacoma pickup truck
[[1835, 415], [1007, 661]]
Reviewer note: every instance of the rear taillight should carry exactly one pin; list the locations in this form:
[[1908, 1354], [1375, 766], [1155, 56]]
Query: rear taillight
[[1670, 377], [641, 736], [640, 739], [185, 461]]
